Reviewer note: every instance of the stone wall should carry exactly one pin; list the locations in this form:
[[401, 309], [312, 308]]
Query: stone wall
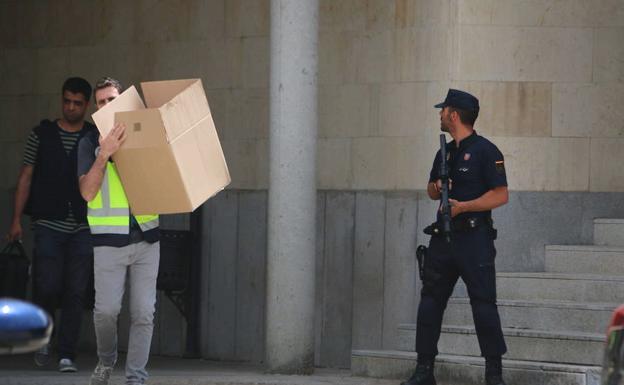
[[549, 75]]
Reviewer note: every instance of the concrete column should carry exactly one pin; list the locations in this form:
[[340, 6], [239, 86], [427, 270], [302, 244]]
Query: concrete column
[[292, 187]]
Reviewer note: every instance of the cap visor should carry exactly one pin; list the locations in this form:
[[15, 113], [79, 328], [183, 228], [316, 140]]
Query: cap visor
[[439, 105]]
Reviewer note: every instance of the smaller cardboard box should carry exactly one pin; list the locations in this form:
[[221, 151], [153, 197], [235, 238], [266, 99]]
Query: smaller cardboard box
[[171, 160]]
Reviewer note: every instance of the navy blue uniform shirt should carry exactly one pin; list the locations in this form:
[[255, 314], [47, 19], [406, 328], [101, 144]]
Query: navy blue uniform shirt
[[476, 167]]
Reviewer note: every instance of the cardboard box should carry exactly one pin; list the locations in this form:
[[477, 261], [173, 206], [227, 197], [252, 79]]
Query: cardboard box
[[171, 160]]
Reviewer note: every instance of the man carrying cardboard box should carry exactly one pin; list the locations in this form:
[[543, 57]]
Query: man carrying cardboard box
[[125, 245]]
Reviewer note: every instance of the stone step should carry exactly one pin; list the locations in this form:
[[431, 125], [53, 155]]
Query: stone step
[[556, 287], [585, 259], [464, 370], [523, 344], [609, 232], [540, 315]]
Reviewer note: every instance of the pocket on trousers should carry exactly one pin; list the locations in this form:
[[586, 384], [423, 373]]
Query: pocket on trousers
[[487, 271]]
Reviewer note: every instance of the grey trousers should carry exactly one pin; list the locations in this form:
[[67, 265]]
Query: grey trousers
[[113, 266]]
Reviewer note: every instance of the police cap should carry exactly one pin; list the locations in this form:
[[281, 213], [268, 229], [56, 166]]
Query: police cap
[[461, 100]]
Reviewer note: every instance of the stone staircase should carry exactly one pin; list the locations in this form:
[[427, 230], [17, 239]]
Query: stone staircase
[[554, 322]]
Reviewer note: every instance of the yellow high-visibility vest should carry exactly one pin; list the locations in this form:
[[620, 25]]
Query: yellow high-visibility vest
[[109, 212]]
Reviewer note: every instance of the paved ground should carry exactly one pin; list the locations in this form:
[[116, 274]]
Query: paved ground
[[20, 370]]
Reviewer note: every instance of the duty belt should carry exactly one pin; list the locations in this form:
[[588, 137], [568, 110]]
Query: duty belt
[[460, 224]]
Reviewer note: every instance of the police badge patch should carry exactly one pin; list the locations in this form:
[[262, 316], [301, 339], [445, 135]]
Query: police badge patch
[[500, 166]]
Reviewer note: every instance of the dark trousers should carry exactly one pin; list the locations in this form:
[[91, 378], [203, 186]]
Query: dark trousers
[[63, 267], [470, 255]]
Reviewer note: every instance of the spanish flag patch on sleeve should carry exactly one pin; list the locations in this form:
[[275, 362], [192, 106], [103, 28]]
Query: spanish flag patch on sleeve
[[500, 166]]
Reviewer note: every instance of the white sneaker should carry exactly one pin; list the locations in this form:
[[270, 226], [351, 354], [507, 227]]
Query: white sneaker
[[101, 374], [66, 365]]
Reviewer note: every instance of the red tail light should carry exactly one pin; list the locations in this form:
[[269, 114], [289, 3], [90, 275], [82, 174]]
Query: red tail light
[[613, 364], [617, 319]]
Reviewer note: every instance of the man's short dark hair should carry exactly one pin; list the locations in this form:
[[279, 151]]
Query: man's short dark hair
[[77, 85], [106, 82], [466, 117]]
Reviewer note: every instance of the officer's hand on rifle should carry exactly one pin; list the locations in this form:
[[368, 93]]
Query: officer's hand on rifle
[[437, 186], [457, 207]]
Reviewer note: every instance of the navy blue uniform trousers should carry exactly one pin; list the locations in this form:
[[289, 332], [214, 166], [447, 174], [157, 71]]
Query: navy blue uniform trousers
[[470, 255]]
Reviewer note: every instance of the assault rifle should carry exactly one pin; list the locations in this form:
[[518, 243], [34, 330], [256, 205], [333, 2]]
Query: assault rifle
[[445, 207]]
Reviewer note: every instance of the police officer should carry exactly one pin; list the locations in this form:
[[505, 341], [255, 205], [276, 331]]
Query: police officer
[[478, 184]]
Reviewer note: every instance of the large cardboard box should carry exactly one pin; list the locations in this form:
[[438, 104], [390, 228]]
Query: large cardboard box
[[171, 160]]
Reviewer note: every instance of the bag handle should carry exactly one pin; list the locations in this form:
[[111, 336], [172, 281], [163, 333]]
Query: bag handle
[[11, 246]]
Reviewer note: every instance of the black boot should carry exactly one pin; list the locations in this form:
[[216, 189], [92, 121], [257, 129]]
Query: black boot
[[423, 375], [494, 371], [494, 379]]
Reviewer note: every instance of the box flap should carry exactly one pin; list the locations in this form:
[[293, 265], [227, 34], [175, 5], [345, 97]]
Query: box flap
[[158, 93], [185, 111], [144, 128], [104, 118]]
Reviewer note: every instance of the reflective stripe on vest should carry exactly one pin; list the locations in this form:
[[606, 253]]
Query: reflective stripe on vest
[[109, 212]]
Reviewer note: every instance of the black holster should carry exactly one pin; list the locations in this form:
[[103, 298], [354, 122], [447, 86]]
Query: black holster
[[421, 253]]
